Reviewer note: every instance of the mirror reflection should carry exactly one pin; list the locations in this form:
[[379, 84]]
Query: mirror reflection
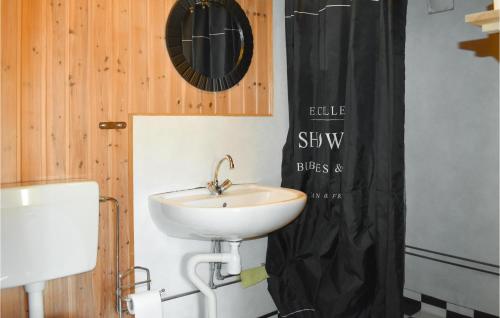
[[212, 41]]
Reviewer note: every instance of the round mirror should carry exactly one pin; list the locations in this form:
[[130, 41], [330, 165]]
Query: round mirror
[[210, 42]]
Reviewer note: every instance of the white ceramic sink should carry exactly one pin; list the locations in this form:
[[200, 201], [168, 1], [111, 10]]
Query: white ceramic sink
[[49, 230], [242, 212]]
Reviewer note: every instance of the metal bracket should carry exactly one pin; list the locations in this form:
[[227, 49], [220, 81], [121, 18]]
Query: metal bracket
[[112, 125], [120, 306]]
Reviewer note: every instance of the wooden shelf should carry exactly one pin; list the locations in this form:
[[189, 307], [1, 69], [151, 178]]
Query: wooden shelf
[[489, 21]]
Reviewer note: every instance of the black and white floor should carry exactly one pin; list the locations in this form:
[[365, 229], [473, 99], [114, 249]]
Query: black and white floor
[[424, 306]]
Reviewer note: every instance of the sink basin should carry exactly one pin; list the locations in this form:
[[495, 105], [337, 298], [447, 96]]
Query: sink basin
[[49, 230], [242, 212]]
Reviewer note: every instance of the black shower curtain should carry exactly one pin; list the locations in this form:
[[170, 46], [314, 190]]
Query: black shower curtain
[[344, 255]]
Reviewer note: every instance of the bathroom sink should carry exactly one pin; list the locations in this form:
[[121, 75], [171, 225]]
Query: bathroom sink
[[242, 212]]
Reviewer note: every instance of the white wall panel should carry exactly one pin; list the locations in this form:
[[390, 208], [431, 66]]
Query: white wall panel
[[451, 153]]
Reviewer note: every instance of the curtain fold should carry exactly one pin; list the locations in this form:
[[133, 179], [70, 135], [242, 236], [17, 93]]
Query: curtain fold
[[211, 40], [344, 255]]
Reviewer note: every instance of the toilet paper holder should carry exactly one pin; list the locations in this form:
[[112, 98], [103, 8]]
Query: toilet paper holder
[[123, 302], [120, 306], [128, 302], [121, 276]]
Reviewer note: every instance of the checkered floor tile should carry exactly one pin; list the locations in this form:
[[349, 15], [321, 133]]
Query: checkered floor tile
[[424, 306]]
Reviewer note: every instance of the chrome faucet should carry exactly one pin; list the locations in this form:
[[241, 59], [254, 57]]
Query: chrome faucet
[[213, 186]]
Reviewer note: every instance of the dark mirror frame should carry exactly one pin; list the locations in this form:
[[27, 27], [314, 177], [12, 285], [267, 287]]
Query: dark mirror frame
[[173, 39]]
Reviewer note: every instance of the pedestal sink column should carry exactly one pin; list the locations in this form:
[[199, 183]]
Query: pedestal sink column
[[233, 265], [35, 299]]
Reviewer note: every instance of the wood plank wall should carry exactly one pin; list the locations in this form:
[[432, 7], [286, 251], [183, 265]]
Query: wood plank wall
[[66, 65]]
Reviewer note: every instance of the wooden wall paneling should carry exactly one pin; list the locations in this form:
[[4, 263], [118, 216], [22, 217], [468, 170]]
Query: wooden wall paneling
[[208, 102], [78, 83], [191, 97], [119, 112], [175, 98], [57, 74], [270, 58], [139, 62], [79, 137], [10, 89], [56, 117], [33, 30], [222, 102], [262, 55], [30, 102], [158, 57], [236, 103], [101, 65], [14, 303], [56, 297], [13, 300]]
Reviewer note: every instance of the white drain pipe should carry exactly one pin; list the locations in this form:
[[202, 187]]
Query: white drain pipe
[[233, 261], [35, 299]]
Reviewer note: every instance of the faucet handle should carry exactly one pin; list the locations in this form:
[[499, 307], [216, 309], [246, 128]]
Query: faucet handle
[[212, 187], [226, 184]]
